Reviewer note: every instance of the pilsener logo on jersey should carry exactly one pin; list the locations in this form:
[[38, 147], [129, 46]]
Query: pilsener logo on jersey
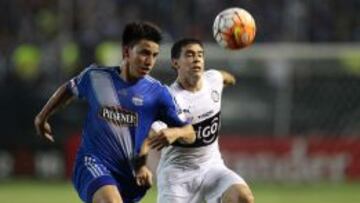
[[206, 132], [119, 116]]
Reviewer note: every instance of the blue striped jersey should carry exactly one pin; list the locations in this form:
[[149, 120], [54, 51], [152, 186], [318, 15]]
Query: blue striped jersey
[[120, 114]]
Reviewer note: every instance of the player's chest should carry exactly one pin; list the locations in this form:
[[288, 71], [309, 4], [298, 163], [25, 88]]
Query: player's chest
[[120, 98], [200, 106], [119, 94], [123, 106], [136, 99]]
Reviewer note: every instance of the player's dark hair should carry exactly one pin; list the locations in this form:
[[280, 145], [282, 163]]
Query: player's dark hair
[[136, 31], [176, 48]]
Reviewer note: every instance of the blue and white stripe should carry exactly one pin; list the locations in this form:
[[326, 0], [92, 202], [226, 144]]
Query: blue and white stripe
[[93, 167], [105, 92]]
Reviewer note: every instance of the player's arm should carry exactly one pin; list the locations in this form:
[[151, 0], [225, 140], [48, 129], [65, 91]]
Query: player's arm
[[177, 127], [145, 147], [159, 138], [187, 136], [60, 98], [166, 136], [228, 78], [143, 175]]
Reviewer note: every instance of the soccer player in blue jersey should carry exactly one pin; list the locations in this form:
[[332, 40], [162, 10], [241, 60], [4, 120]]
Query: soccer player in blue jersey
[[123, 103]]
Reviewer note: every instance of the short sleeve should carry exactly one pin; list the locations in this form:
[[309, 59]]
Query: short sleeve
[[215, 77], [79, 84], [169, 111]]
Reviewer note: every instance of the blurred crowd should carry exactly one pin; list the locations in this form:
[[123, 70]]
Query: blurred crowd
[[45, 42], [69, 31]]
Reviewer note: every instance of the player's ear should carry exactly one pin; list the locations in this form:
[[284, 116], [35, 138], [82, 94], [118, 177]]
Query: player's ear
[[174, 63], [125, 52]]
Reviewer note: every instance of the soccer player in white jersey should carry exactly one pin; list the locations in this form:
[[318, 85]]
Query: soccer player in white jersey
[[123, 103], [194, 173]]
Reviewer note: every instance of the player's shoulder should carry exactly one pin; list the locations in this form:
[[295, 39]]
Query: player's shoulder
[[214, 76], [176, 89], [100, 69], [153, 86], [149, 80], [212, 73], [94, 68], [152, 80]]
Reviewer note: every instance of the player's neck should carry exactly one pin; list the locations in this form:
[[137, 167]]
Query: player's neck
[[126, 75], [190, 84]]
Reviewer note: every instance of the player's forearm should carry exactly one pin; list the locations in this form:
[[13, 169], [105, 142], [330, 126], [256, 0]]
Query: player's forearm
[[139, 161], [186, 134], [60, 98], [229, 79], [145, 148]]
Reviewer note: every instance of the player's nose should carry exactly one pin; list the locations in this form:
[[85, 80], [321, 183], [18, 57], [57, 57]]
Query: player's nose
[[150, 60], [196, 61]]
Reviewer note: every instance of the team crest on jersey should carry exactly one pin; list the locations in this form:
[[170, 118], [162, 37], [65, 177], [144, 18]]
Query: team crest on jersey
[[215, 96], [118, 116], [138, 100]]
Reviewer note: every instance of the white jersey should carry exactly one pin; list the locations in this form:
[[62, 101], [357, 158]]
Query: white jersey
[[202, 109], [196, 173]]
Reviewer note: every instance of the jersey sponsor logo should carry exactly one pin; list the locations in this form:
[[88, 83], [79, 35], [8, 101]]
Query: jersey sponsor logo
[[186, 110], [207, 114], [215, 96], [186, 114], [206, 132], [118, 116]]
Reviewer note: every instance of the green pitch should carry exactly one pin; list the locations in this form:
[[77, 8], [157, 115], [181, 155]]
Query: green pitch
[[20, 191]]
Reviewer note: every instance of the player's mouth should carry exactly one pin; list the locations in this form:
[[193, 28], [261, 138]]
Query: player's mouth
[[144, 70], [196, 68]]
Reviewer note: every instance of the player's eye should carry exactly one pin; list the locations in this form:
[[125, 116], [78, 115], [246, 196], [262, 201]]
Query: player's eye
[[145, 52], [189, 54]]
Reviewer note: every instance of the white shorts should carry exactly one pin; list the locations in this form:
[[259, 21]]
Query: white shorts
[[195, 186]]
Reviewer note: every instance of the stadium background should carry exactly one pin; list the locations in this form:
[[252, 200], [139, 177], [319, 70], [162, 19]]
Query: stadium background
[[291, 125]]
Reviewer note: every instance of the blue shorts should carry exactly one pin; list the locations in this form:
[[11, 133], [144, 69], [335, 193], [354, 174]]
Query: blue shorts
[[90, 174]]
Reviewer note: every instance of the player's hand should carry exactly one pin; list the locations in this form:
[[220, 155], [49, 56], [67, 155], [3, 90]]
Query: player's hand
[[43, 128], [145, 148], [164, 138], [144, 177]]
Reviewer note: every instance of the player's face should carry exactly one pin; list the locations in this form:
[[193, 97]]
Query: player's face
[[141, 58], [191, 61]]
